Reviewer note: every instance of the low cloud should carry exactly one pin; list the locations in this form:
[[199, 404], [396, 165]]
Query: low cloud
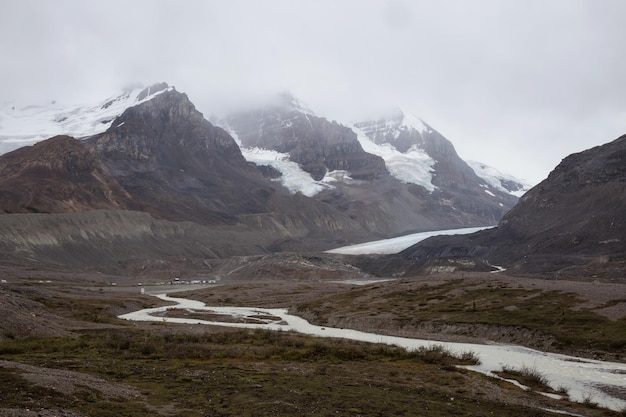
[[518, 85]]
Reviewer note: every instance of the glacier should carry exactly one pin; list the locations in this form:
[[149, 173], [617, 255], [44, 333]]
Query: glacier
[[27, 125]]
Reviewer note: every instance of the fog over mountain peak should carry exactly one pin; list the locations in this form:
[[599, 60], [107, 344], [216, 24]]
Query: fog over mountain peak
[[294, 177]]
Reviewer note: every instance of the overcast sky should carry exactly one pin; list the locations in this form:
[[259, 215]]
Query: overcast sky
[[517, 84]]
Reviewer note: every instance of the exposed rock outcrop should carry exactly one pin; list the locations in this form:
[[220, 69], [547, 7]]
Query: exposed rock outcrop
[[571, 224], [180, 166], [455, 182], [315, 143], [162, 157], [381, 201]]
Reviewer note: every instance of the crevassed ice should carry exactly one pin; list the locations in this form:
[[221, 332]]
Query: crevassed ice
[[293, 177], [412, 167]]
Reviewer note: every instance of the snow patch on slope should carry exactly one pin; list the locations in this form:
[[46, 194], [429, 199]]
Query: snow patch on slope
[[293, 177], [412, 167], [411, 121], [497, 179], [22, 126]]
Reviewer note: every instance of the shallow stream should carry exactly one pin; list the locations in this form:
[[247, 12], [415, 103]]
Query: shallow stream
[[584, 379]]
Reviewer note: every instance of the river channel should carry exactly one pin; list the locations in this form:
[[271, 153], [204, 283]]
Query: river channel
[[585, 379]]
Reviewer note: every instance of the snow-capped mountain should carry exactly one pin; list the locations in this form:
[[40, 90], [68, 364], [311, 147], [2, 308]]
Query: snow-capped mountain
[[26, 125], [162, 157], [309, 152], [416, 153], [348, 162], [405, 143], [273, 166], [500, 180], [389, 138]]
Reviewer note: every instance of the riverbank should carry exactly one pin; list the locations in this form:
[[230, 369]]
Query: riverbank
[[69, 324], [580, 378]]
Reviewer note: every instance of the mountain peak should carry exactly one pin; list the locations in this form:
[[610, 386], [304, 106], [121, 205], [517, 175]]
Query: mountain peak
[[397, 127], [135, 97], [156, 127], [157, 107], [393, 121], [286, 101], [500, 180], [153, 89], [403, 119], [31, 124]]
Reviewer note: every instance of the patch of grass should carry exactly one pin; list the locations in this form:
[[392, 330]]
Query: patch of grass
[[235, 344], [550, 313], [563, 391], [438, 354], [17, 392], [589, 402], [94, 310], [248, 373], [469, 357], [526, 376]]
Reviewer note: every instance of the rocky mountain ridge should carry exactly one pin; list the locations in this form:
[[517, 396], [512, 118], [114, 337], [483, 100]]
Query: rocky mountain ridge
[[571, 224], [26, 124], [401, 161], [164, 158], [314, 143]]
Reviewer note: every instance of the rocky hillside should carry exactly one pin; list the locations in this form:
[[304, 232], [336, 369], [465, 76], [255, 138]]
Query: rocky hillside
[[448, 177], [571, 224], [178, 166], [163, 158], [118, 241], [56, 176], [160, 156], [394, 166], [317, 145]]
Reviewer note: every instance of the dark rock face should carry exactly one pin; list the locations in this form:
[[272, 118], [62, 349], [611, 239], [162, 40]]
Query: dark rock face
[[313, 142], [457, 183], [178, 165], [578, 209], [163, 158], [379, 202], [572, 223], [149, 132]]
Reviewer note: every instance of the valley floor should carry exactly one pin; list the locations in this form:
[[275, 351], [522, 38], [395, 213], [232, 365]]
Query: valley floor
[[61, 322]]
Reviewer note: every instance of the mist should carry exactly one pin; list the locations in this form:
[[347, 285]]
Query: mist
[[515, 84]]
